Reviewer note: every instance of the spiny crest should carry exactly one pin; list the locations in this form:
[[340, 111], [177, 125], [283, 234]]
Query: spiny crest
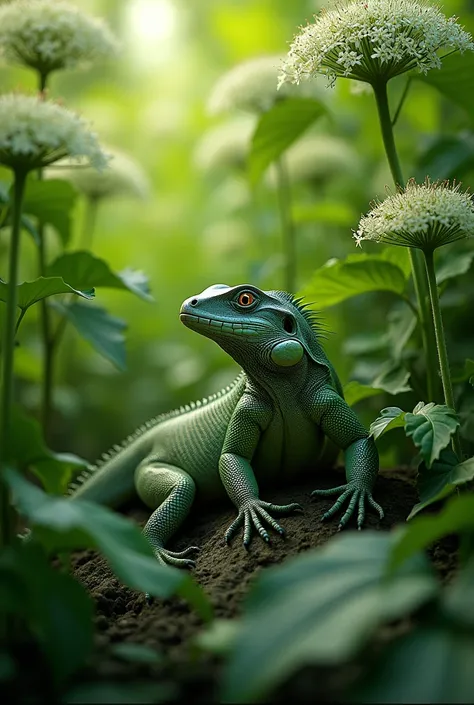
[[310, 315], [109, 455]]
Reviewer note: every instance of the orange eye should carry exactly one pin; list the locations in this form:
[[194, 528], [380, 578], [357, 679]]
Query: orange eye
[[246, 298]]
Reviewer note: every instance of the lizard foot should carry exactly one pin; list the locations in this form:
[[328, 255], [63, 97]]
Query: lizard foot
[[358, 496], [178, 559], [250, 515]]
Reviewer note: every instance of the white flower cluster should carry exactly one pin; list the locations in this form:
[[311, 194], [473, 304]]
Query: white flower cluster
[[373, 40], [318, 157], [35, 133], [48, 35], [425, 216], [225, 146], [123, 177], [252, 86]]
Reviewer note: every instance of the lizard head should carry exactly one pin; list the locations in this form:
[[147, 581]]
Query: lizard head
[[257, 328]]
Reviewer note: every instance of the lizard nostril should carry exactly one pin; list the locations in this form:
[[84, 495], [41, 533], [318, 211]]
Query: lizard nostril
[[193, 302]]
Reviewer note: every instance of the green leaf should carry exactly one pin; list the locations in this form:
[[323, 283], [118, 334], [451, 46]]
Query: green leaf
[[447, 157], [27, 450], [339, 280], [52, 201], [393, 378], [30, 293], [431, 427], [338, 213], [441, 479], [433, 664], [467, 372], [398, 256], [455, 80], [456, 517], [401, 324], [219, 636], [320, 608], [64, 524], [277, 129], [454, 265], [136, 653], [354, 392], [390, 418], [84, 270], [103, 331]]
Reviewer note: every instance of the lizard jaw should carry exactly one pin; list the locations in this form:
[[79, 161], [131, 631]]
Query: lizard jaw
[[207, 325]]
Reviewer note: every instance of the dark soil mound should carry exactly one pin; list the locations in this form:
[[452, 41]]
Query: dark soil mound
[[225, 573]]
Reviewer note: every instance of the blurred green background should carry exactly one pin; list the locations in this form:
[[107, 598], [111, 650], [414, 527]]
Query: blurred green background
[[201, 226]]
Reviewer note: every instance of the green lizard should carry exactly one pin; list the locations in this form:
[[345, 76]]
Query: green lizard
[[269, 425]]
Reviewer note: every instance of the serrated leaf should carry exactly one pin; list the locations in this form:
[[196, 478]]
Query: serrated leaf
[[354, 392], [455, 79], [339, 280], [454, 266], [277, 129], [456, 517], [103, 331], [391, 417], [338, 213], [27, 450], [61, 524], [441, 479], [431, 427], [84, 270], [52, 201], [30, 293], [319, 608]]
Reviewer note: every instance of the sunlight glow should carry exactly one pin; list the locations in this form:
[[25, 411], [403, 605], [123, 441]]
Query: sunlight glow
[[152, 24]]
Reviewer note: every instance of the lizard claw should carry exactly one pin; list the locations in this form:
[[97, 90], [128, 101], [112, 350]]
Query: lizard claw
[[357, 496], [250, 516]]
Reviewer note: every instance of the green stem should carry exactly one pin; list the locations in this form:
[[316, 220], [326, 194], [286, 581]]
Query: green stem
[[420, 281], [441, 344], [6, 528], [287, 226], [90, 220]]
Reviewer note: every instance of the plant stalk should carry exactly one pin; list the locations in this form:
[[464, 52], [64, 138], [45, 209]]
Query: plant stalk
[[420, 281], [441, 344], [287, 225], [90, 220], [8, 349]]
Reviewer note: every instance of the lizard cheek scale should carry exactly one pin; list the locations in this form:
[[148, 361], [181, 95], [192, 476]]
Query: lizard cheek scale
[[272, 422]]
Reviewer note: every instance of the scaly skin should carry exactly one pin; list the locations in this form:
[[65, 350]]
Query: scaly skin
[[270, 425]]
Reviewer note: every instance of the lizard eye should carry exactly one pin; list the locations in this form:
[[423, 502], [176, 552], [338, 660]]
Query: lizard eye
[[246, 298]]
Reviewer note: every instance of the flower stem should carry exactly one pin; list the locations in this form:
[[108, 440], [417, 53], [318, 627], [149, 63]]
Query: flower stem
[[8, 348], [420, 281], [441, 344], [287, 225]]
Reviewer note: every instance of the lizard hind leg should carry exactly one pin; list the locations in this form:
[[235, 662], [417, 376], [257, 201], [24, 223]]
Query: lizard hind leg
[[170, 491]]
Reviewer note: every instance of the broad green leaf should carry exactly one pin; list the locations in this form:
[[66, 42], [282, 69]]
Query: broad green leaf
[[393, 378], [219, 636], [354, 392], [277, 129], [401, 324], [399, 256], [454, 266], [136, 653], [441, 479], [339, 280], [390, 418], [103, 331], [27, 450], [52, 201], [30, 293], [456, 517], [455, 80], [65, 524], [84, 270], [320, 608], [431, 427], [432, 664], [338, 213], [447, 157], [457, 598], [364, 343]]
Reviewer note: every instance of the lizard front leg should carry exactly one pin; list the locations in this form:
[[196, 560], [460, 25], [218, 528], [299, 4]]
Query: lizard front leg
[[250, 418], [342, 426]]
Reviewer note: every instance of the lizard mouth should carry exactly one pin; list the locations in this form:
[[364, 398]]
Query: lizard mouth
[[209, 325]]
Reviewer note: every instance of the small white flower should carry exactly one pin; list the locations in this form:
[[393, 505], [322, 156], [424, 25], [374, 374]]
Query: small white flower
[[48, 35], [425, 216], [225, 146], [373, 40], [35, 133], [123, 177], [252, 86]]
